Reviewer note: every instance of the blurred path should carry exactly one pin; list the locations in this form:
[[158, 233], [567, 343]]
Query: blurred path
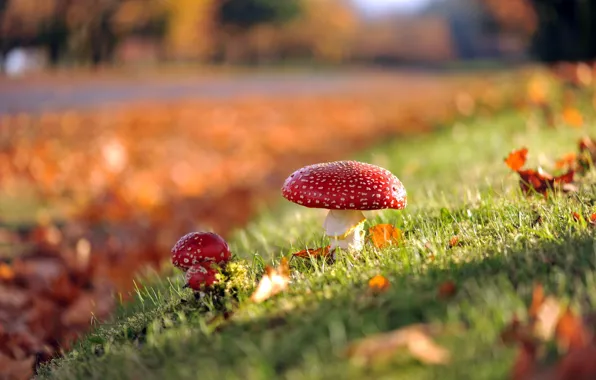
[[44, 95]]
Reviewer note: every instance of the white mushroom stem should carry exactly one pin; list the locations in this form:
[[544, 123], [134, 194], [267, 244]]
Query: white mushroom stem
[[345, 229]]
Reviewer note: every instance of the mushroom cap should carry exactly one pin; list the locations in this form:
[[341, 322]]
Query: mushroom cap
[[200, 247], [200, 276], [345, 185]]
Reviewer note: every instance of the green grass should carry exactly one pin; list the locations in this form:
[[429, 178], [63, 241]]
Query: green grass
[[457, 185]]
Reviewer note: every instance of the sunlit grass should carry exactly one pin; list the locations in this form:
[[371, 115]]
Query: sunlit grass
[[458, 186]]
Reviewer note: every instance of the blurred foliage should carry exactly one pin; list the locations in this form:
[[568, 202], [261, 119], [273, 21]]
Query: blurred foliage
[[248, 13], [259, 31], [566, 30]]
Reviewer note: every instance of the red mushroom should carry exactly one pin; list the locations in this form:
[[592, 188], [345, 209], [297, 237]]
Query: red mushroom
[[198, 248], [200, 277], [345, 188]]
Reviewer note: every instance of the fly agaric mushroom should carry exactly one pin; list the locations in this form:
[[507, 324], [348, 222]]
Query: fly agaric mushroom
[[200, 247], [345, 188], [200, 276]]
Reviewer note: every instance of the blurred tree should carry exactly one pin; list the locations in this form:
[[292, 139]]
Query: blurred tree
[[329, 28], [245, 28], [190, 28], [245, 14], [565, 30], [516, 17]]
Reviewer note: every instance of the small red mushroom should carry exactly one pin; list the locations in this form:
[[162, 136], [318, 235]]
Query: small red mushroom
[[345, 188], [200, 247], [200, 277]]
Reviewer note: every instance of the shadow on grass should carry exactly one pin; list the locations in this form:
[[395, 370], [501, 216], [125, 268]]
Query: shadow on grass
[[308, 335], [562, 267]]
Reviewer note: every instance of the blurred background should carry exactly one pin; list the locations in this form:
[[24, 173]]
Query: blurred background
[[72, 33], [125, 124]]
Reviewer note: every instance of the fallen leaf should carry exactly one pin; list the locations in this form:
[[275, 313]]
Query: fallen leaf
[[319, 252], [517, 159], [453, 241], [541, 182], [577, 365], [273, 282], [566, 161], [378, 284], [447, 289], [383, 235], [383, 346], [516, 332], [547, 316], [525, 364], [592, 218], [12, 369], [576, 216], [538, 298], [6, 272], [573, 117], [570, 331]]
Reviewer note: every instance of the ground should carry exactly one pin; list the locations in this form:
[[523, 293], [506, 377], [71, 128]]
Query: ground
[[458, 186]]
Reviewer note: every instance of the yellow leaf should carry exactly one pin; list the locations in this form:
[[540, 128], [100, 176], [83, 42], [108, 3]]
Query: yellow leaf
[[383, 346], [274, 281], [383, 235], [378, 284]]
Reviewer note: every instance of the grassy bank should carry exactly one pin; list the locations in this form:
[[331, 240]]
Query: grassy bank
[[458, 186]]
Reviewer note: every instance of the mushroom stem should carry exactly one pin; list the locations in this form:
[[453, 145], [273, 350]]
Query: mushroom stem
[[345, 229]]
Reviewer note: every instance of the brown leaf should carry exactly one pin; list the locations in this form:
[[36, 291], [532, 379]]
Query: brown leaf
[[11, 369], [525, 365], [516, 332], [517, 159], [378, 284], [383, 346], [578, 364], [566, 161], [319, 252], [570, 332], [383, 235], [573, 117], [447, 289], [540, 181], [273, 282], [97, 304]]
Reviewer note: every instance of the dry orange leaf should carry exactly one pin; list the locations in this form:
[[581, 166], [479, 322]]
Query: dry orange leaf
[[383, 235], [570, 331], [447, 289], [517, 159], [573, 117], [319, 252], [453, 241], [576, 216], [6, 272], [566, 161], [378, 284], [592, 219], [273, 282], [416, 338]]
